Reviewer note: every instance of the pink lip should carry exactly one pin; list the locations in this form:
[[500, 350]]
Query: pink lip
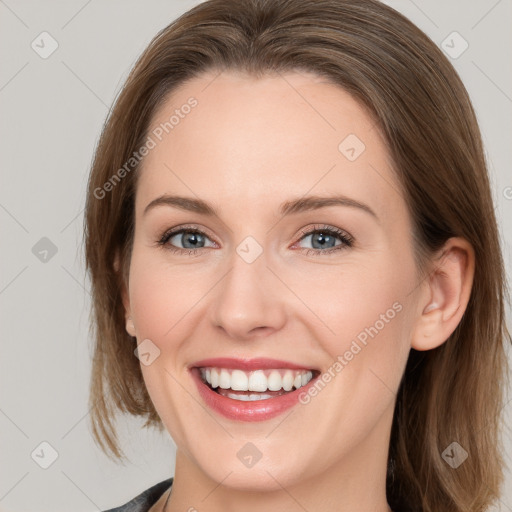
[[261, 363], [259, 410]]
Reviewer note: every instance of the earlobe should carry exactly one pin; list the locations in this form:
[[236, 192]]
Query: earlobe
[[130, 326], [429, 332], [445, 296], [116, 261]]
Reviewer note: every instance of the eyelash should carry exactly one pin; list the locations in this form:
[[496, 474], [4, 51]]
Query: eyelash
[[346, 239]]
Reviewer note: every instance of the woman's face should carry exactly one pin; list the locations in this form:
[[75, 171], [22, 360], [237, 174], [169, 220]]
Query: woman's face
[[262, 291]]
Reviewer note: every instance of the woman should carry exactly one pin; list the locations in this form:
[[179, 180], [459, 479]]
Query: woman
[[289, 215]]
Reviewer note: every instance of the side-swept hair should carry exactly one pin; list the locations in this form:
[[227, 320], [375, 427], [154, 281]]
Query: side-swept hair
[[451, 393]]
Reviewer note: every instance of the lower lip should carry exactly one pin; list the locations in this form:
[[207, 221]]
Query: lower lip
[[257, 410]]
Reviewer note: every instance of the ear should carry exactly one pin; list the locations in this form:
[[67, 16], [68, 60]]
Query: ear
[[130, 326], [445, 294]]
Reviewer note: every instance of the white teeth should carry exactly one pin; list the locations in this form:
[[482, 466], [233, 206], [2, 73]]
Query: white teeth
[[257, 380], [275, 382], [248, 398], [239, 381], [213, 378], [224, 379], [288, 381]]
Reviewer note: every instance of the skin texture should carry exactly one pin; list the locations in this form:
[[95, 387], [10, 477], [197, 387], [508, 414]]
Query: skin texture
[[248, 146]]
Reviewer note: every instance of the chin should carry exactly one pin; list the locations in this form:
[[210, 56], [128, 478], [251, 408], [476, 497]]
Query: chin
[[256, 479]]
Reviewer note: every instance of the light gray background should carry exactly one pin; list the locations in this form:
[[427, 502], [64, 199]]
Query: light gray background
[[52, 111]]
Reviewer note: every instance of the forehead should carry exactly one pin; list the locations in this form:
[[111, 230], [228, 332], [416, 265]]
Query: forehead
[[228, 136]]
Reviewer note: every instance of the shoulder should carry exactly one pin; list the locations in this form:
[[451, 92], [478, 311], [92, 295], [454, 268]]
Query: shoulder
[[145, 500]]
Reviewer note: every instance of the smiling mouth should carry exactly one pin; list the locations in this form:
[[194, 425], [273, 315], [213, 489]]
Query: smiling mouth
[[255, 385]]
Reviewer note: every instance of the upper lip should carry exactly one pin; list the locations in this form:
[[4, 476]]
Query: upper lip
[[260, 363]]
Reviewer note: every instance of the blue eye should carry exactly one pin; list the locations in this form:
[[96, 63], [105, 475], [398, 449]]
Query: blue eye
[[324, 237], [193, 240]]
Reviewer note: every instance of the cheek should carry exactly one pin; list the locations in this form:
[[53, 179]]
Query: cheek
[[151, 300], [357, 298], [163, 298], [365, 323]]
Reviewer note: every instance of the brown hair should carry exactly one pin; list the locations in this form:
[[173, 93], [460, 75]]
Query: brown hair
[[452, 393]]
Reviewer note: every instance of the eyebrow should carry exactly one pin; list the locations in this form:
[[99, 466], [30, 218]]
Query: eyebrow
[[294, 206]]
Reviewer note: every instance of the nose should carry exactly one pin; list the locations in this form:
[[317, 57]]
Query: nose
[[249, 300]]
